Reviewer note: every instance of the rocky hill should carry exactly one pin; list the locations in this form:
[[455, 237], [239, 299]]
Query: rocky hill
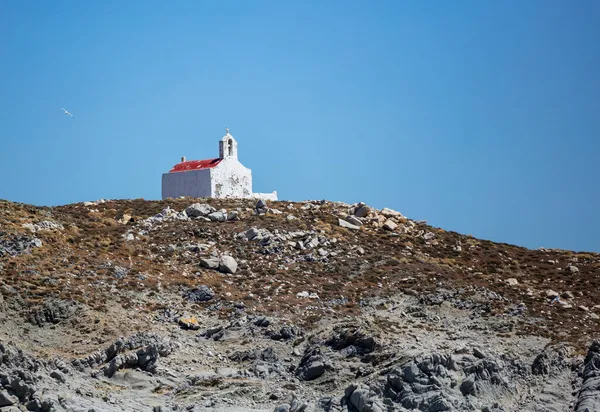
[[232, 305]]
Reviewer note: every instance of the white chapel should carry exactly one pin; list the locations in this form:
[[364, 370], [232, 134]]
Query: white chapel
[[221, 177]]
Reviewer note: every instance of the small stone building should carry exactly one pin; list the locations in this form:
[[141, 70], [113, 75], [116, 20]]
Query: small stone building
[[221, 177]]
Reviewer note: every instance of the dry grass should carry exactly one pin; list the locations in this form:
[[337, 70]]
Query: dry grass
[[73, 264]]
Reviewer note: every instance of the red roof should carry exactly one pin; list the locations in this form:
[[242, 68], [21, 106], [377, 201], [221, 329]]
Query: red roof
[[195, 165]]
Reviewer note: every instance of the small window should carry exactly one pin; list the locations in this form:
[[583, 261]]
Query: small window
[[230, 145]]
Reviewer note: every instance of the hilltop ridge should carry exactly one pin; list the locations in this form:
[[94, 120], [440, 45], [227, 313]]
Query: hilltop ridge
[[212, 303]]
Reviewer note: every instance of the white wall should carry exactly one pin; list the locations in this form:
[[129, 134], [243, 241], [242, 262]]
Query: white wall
[[231, 179], [194, 183], [265, 196]]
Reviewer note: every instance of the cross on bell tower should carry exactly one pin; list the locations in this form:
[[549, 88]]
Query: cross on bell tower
[[227, 146]]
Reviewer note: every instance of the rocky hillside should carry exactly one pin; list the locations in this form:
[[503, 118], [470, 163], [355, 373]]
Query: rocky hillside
[[232, 305]]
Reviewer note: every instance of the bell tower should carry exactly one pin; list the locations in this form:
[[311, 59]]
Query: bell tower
[[228, 146]]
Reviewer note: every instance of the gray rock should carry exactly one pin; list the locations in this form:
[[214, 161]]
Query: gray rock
[[331, 404], [428, 236], [313, 370], [390, 213], [312, 365], [360, 398], [347, 225], [7, 400], [260, 204], [14, 245], [512, 282], [188, 323], [43, 225], [573, 269], [218, 216], [58, 376], [567, 295], [541, 365], [120, 272], [262, 321], [53, 311], [227, 264], [390, 225], [210, 263], [589, 395], [354, 220], [311, 242], [251, 233], [468, 385], [22, 390], [201, 294], [293, 406], [362, 210], [411, 373], [224, 264], [199, 209], [478, 353]]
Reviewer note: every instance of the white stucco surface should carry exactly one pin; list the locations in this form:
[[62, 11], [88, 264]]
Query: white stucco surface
[[265, 196], [230, 179]]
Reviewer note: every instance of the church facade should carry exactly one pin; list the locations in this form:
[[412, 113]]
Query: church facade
[[221, 177]]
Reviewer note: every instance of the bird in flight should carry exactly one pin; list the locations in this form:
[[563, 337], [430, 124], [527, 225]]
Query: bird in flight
[[67, 112]]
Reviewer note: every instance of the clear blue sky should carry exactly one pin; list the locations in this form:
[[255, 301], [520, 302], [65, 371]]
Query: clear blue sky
[[482, 117]]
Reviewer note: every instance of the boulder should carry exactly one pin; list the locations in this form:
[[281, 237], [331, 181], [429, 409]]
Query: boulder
[[189, 323], [58, 375], [361, 210], [312, 364], [573, 269], [201, 294], [293, 406], [390, 213], [354, 220], [390, 225], [251, 233], [469, 385], [22, 389], [261, 206], [218, 216], [126, 218], [199, 209], [428, 236], [541, 364], [512, 282], [210, 263], [567, 295], [6, 399], [227, 264], [347, 225]]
